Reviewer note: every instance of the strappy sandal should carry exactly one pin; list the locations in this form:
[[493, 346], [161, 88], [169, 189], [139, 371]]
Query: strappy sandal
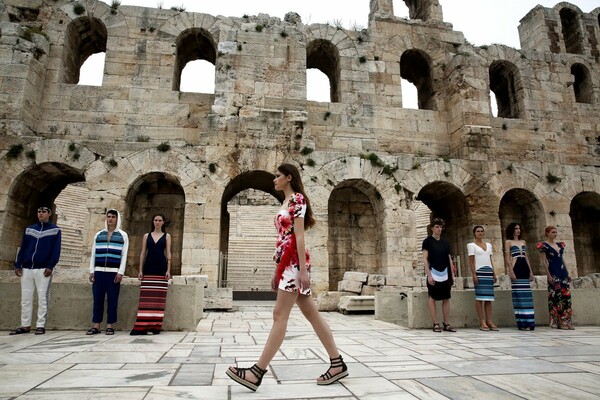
[[40, 331], [327, 378], [239, 375], [492, 326], [110, 331], [448, 327], [93, 331], [436, 328], [20, 331], [483, 326]]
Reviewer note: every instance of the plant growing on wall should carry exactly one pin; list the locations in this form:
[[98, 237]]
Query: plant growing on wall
[[114, 5], [30, 154], [552, 179], [212, 167], [310, 162], [163, 147], [306, 151], [78, 8], [112, 163], [14, 151]]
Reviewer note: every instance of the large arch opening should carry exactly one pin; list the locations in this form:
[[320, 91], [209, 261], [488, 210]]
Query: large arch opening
[[582, 83], [505, 82], [40, 184], [521, 206], [415, 67], [446, 201], [154, 193], [84, 36], [324, 56], [571, 31], [585, 220], [193, 44], [356, 223], [246, 243]]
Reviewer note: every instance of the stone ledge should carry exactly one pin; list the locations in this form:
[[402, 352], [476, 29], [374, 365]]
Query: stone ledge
[[356, 304]]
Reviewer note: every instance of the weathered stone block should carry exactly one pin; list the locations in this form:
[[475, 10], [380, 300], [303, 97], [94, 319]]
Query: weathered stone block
[[582, 283], [350, 286], [328, 301], [350, 304], [218, 298], [368, 290], [356, 276], [376, 280], [504, 282]]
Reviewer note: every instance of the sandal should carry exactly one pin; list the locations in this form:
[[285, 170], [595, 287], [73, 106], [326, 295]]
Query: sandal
[[20, 331], [483, 326], [492, 326], [448, 327], [93, 331], [40, 331], [110, 331], [327, 378], [436, 328], [239, 375]]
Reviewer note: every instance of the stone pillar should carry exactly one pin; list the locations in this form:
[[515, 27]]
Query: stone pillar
[[380, 9]]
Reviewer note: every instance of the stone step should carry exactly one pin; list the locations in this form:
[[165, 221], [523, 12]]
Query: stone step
[[357, 304]]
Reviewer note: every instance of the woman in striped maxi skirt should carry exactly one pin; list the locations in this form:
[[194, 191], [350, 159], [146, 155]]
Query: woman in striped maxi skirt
[[484, 277], [520, 275], [155, 271]]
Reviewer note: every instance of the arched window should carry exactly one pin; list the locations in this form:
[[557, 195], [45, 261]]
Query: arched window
[[324, 56], [582, 84], [194, 44], [571, 31], [505, 83], [415, 67], [317, 86], [84, 36]]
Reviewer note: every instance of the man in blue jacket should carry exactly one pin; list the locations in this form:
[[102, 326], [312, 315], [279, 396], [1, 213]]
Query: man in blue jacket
[[107, 267], [38, 255]]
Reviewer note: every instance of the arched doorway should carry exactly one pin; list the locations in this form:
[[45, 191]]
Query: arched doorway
[[585, 220], [154, 193], [40, 184], [355, 221], [446, 201], [248, 206], [521, 206]]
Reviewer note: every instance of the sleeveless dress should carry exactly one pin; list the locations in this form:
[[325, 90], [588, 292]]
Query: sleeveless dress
[[286, 253], [522, 297], [559, 292], [153, 289]]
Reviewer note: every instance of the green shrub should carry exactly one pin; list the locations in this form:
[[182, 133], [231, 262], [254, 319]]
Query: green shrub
[[163, 147], [78, 8], [14, 151]]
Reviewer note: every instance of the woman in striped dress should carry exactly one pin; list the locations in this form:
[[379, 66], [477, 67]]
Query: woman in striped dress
[[155, 271], [520, 275], [484, 277]]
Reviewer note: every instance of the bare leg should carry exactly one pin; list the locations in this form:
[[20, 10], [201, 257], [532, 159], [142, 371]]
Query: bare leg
[[479, 309], [446, 310], [311, 313], [488, 312], [281, 314], [432, 310]]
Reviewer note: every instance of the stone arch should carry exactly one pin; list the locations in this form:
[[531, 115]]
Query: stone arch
[[523, 207], [84, 36], [505, 82], [36, 185], [571, 29], [324, 56], [448, 202], [356, 217], [582, 83], [192, 44], [255, 179], [415, 67], [149, 194], [585, 221]]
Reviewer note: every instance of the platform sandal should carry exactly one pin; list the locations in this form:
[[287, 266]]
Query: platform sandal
[[448, 327], [327, 378], [239, 375]]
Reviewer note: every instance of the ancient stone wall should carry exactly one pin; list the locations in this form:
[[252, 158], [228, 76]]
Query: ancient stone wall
[[143, 146]]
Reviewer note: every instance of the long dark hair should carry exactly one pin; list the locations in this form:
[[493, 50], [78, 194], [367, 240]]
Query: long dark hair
[[510, 231], [162, 228], [298, 187]]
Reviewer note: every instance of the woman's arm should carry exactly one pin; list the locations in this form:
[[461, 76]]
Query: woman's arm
[[301, 248], [168, 254], [491, 262], [544, 260], [509, 260], [472, 267], [143, 256]]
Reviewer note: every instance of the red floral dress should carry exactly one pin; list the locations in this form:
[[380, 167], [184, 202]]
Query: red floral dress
[[286, 253]]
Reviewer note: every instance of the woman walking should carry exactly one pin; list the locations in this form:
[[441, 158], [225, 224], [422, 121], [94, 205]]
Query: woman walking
[[292, 283], [520, 273], [559, 291], [155, 271], [484, 277]]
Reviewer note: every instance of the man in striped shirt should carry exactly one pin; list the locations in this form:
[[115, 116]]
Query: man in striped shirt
[[107, 267]]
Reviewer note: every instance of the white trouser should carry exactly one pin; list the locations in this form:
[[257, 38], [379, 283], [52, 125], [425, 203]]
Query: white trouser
[[31, 280]]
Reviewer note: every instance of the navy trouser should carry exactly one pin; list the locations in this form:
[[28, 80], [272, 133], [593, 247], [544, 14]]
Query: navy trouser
[[104, 286]]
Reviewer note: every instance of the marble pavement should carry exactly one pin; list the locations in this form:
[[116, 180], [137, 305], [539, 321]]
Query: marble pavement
[[385, 361]]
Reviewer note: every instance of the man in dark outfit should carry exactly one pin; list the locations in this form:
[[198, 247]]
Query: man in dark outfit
[[440, 273]]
